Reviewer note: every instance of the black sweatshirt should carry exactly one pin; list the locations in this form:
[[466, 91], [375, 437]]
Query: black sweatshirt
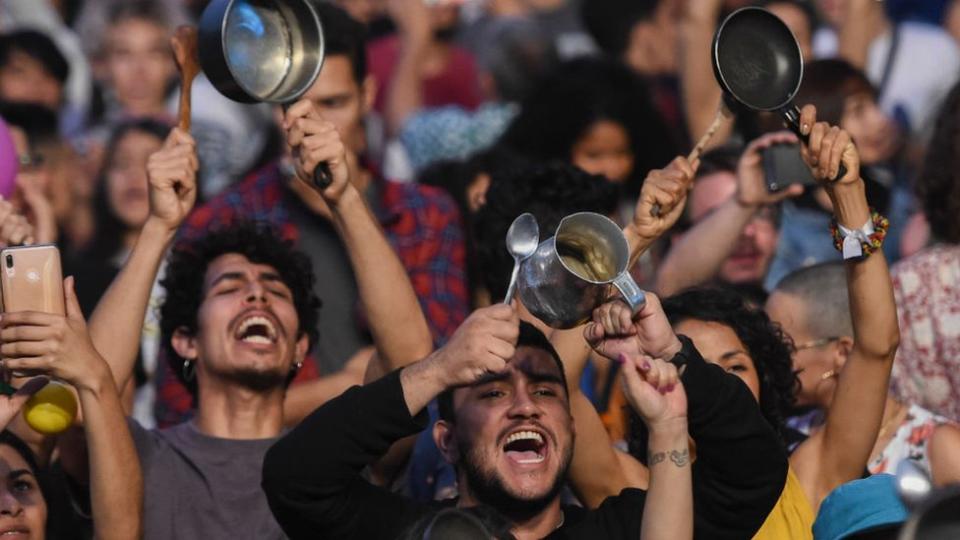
[[312, 476]]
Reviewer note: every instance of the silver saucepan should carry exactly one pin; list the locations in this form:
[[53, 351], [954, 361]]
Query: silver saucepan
[[263, 51]]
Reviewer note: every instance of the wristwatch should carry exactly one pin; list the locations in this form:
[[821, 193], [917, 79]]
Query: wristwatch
[[683, 356]]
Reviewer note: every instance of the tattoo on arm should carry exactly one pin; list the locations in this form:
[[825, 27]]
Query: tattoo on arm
[[680, 458]]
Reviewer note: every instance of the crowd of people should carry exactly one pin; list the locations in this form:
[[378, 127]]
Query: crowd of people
[[254, 355]]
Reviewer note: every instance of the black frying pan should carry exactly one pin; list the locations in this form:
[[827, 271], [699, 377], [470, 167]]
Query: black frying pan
[[758, 64]]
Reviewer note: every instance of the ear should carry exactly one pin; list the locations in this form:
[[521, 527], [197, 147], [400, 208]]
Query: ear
[[368, 90], [446, 441], [184, 343], [477, 192], [844, 349], [301, 349]]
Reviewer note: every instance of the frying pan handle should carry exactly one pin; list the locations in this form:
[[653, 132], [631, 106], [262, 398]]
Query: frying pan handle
[[791, 116]]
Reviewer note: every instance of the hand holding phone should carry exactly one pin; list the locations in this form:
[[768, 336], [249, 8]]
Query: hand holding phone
[[783, 166]]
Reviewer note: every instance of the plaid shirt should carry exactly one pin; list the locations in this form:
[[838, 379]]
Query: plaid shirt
[[421, 223]]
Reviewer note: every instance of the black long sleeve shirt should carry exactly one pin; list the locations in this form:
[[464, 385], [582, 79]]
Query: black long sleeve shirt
[[312, 476]]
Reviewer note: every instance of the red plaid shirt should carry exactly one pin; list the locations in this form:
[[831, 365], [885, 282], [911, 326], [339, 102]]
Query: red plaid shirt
[[421, 223]]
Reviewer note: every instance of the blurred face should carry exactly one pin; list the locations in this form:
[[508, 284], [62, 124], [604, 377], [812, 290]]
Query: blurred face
[[343, 101], [719, 344], [247, 326], [513, 436], [873, 131], [34, 172], [139, 65], [444, 15], [798, 23], [23, 512], [813, 358], [364, 11], [605, 150], [757, 243], [832, 11], [127, 184], [24, 80]]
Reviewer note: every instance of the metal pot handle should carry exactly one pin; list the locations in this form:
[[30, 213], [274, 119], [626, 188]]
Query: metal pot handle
[[631, 292]]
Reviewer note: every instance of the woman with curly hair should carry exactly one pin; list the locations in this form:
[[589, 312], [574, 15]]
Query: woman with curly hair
[[740, 338], [927, 284]]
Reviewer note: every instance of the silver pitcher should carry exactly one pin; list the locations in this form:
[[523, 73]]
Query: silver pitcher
[[572, 273]]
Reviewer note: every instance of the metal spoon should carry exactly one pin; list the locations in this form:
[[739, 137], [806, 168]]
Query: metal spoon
[[913, 484], [523, 237]]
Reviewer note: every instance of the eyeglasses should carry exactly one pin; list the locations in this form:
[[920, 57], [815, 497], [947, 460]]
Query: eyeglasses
[[815, 343]]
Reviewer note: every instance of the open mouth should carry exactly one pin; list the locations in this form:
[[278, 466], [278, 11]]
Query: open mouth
[[17, 532], [525, 447], [257, 330]]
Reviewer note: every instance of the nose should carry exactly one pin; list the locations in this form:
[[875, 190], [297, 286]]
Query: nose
[[9, 504], [523, 406], [256, 293]]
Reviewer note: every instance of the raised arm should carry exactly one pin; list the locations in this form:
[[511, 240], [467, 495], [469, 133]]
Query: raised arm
[[405, 93], [666, 189], [853, 421], [699, 90], [399, 328], [61, 347], [697, 256], [116, 322]]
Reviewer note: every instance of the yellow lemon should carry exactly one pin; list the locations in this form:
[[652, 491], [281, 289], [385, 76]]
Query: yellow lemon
[[51, 410]]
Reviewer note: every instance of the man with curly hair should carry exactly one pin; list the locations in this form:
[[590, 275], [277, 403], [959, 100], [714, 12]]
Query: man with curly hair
[[238, 321]]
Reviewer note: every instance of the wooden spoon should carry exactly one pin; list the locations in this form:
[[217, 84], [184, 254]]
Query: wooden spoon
[[184, 43]]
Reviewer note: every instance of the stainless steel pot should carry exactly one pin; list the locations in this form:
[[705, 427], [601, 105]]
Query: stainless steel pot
[[571, 274]]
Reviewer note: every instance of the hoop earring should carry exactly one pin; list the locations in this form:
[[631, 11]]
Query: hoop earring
[[188, 370]]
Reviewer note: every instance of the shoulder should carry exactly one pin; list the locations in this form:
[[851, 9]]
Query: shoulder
[[417, 198]]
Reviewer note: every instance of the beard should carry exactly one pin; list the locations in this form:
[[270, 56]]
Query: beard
[[257, 380], [488, 487]]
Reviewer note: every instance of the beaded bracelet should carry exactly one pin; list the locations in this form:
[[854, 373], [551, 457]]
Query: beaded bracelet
[[861, 242]]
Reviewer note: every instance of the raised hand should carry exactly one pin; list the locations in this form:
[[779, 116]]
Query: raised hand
[[652, 388], [828, 147], [34, 343], [315, 141], [39, 208], [615, 332], [172, 172], [14, 227], [752, 189], [666, 189], [483, 344]]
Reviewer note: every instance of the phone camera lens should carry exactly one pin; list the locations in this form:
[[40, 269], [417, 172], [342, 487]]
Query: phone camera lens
[[9, 261]]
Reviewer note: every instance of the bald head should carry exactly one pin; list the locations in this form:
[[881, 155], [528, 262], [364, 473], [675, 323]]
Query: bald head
[[822, 289]]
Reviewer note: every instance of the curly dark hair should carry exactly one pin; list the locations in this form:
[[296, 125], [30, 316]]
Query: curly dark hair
[[576, 95], [769, 348], [260, 244], [938, 186], [550, 193]]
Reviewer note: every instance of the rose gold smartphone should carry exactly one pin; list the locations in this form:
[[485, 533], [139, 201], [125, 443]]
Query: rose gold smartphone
[[31, 279]]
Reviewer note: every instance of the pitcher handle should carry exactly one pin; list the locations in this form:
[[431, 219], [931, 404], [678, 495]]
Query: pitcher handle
[[631, 292]]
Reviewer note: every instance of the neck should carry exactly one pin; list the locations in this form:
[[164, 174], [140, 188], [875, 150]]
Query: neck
[[233, 412], [144, 108], [525, 526]]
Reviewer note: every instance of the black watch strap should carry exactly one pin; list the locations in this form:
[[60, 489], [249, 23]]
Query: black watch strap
[[686, 351]]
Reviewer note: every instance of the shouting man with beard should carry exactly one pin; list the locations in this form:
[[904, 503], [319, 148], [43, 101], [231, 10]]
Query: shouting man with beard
[[505, 424]]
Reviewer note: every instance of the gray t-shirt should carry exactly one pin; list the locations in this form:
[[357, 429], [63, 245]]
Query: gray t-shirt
[[197, 486]]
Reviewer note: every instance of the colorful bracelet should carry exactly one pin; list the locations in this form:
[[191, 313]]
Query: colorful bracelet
[[860, 243]]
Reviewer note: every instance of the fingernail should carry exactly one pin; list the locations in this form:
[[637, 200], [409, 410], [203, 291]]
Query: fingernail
[[805, 128], [621, 358], [645, 366], [670, 388]]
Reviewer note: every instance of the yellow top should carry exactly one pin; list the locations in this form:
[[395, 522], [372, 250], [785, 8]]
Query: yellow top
[[792, 517]]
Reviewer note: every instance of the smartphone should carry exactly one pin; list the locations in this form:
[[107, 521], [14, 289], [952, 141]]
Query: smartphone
[[32, 279], [783, 166]]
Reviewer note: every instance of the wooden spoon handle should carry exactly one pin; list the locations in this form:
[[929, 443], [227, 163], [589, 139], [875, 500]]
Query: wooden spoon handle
[[184, 43]]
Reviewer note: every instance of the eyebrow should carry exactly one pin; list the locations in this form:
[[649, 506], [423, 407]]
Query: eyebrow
[[533, 376], [20, 472], [730, 354]]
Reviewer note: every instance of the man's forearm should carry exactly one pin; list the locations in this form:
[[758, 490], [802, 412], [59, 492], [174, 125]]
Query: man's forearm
[[421, 383], [116, 480], [117, 321], [697, 257], [397, 323]]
